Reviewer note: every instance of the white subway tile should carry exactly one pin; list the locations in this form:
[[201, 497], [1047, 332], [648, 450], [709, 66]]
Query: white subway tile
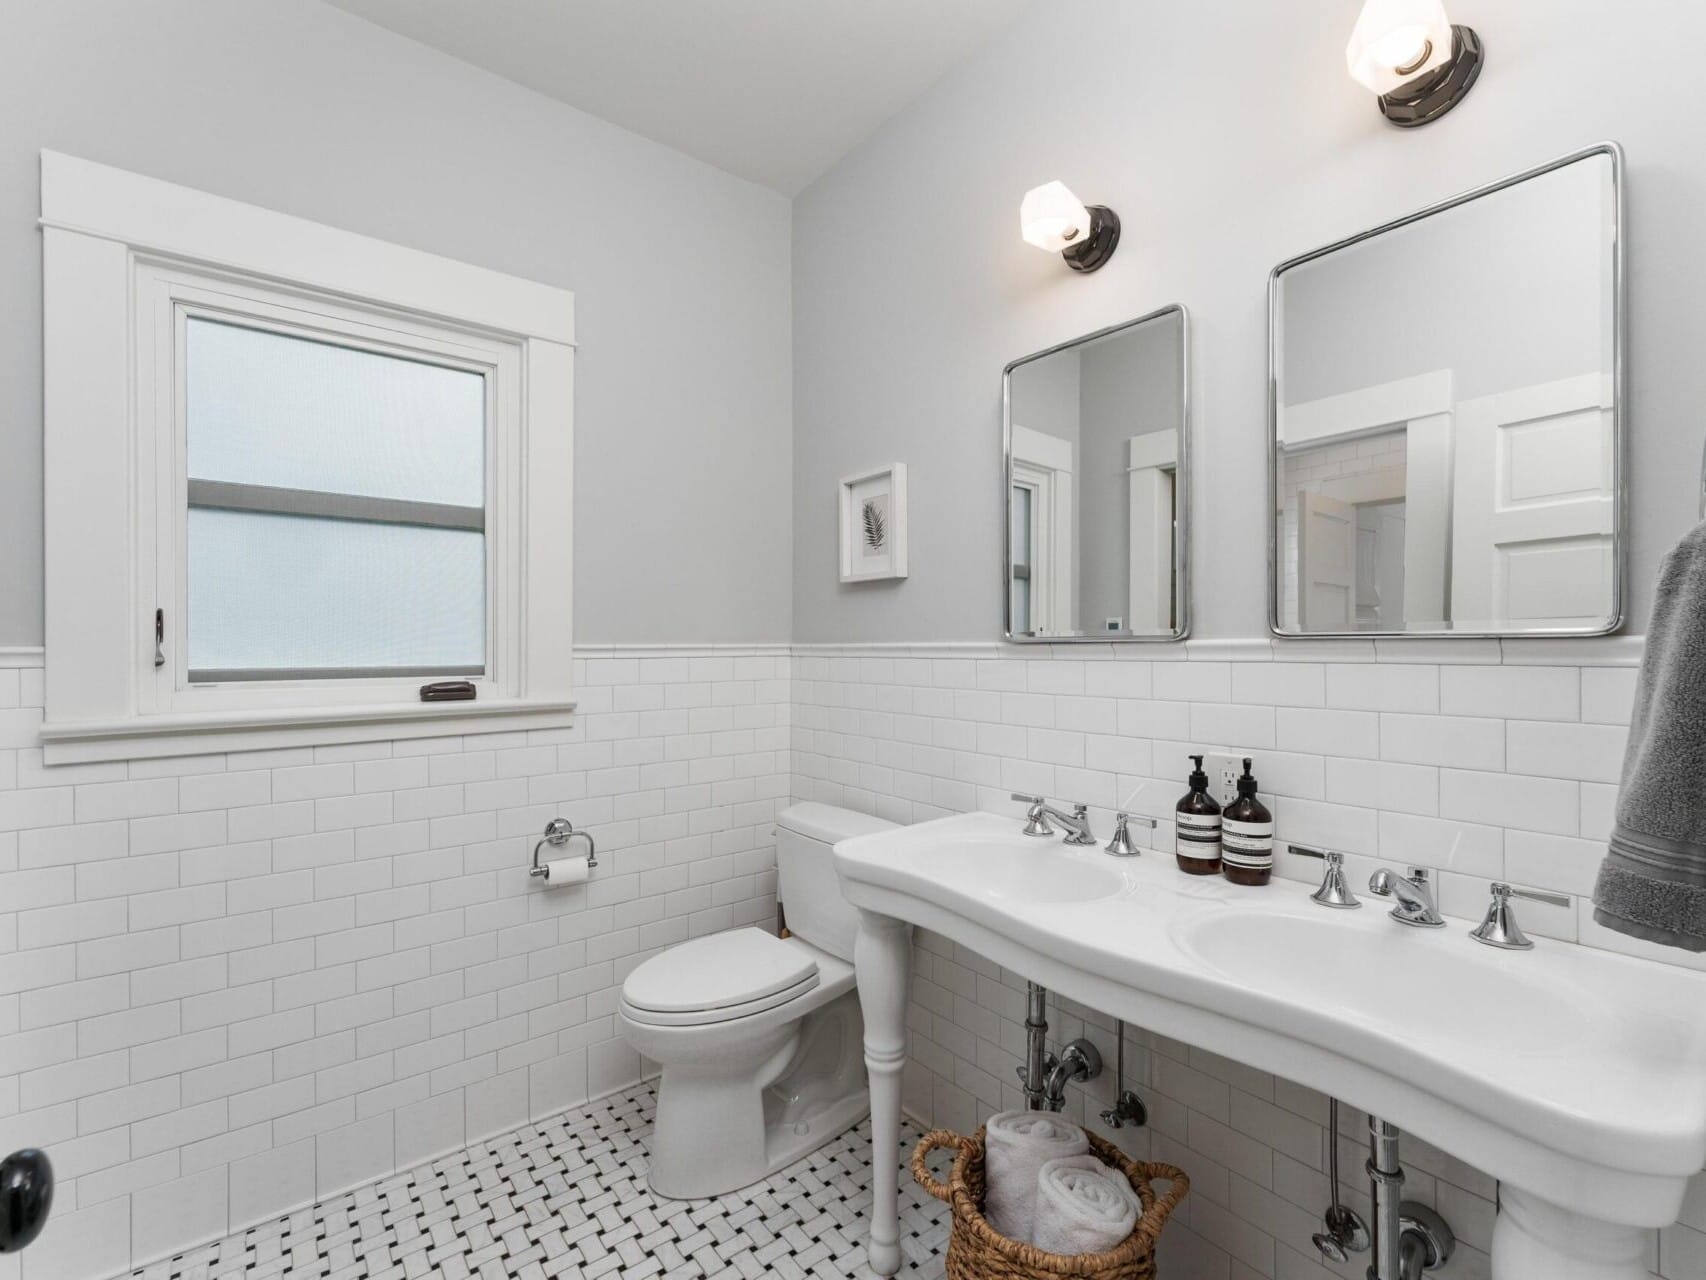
[[1608, 694], [1586, 752], [1383, 686], [1443, 740], [1327, 733], [1523, 693], [1503, 799]]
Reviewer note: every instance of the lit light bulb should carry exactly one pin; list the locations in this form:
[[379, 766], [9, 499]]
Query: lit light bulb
[[1397, 41], [1052, 218]]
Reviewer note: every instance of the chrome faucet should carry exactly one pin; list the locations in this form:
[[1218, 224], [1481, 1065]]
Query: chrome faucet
[[1335, 891], [1500, 928], [1415, 894], [1077, 823]]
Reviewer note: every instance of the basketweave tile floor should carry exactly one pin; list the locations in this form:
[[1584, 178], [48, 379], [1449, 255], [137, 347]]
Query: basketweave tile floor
[[568, 1197]]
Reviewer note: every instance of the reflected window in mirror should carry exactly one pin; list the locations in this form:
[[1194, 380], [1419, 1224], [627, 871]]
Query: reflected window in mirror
[[1446, 436], [1097, 467]]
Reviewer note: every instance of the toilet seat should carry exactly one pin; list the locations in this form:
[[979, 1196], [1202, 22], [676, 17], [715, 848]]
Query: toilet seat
[[718, 978]]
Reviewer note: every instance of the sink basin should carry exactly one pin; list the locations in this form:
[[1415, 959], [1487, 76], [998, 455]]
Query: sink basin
[[1002, 873], [1401, 975]]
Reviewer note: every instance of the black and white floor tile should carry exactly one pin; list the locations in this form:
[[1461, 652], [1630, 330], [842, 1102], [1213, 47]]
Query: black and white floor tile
[[568, 1197]]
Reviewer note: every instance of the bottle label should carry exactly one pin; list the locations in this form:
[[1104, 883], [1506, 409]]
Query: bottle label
[[1198, 835], [1247, 844]]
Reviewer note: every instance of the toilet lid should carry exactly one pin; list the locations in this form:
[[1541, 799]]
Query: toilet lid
[[718, 971]]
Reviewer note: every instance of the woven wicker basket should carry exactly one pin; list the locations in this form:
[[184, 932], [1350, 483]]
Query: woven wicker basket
[[976, 1251]]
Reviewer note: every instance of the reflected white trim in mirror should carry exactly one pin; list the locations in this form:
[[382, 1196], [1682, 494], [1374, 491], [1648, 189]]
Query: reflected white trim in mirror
[[1043, 464]]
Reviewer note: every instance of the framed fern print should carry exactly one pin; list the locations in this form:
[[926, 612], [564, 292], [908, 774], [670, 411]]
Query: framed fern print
[[873, 524]]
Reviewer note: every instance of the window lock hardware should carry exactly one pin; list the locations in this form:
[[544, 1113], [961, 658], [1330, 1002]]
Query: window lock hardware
[[448, 691]]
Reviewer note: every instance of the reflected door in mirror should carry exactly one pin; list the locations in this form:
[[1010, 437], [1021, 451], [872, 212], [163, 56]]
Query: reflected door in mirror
[[1446, 435], [1097, 459]]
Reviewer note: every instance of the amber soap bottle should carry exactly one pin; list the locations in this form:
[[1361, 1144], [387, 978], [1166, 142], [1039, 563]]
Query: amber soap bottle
[[1247, 836], [1196, 827]]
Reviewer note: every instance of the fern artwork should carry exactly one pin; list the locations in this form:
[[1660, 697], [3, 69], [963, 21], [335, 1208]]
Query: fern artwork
[[876, 524], [873, 524]]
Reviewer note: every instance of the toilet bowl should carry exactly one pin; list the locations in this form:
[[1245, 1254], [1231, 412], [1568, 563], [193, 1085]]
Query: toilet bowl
[[759, 1037]]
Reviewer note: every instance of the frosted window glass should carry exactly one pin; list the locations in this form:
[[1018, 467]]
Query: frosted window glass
[[267, 409], [272, 594]]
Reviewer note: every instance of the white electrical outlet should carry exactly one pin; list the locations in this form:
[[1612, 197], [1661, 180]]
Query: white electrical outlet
[[1223, 774]]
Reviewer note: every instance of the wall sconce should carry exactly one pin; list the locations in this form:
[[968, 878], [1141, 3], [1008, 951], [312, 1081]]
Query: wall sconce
[[1410, 53], [1052, 218]]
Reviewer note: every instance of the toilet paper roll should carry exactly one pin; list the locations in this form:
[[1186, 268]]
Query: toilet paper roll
[[566, 871]]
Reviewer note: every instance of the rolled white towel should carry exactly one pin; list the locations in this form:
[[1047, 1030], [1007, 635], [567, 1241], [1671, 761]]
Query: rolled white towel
[[1017, 1144], [1083, 1206]]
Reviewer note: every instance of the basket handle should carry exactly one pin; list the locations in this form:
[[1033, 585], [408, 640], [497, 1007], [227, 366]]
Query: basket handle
[[1178, 1183], [921, 1174]]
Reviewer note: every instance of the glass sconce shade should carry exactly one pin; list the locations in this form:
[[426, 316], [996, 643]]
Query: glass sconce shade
[[1396, 42], [1052, 218]]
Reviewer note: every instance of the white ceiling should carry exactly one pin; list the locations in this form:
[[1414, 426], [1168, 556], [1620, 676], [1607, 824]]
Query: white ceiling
[[772, 90]]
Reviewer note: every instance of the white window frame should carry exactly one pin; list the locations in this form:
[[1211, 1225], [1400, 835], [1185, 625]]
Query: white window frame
[[126, 261]]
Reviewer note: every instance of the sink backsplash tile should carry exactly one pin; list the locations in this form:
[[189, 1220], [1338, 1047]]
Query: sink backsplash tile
[[1481, 761]]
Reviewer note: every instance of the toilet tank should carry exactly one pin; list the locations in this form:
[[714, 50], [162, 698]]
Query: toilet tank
[[806, 883]]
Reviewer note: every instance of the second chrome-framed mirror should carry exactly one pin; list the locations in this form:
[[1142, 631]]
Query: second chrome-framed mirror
[[1446, 404], [1097, 445]]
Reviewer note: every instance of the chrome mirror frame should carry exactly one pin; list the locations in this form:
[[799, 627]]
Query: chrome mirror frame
[[1182, 500], [1619, 413]]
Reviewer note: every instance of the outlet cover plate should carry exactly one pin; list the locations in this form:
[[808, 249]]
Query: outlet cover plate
[[1223, 774]]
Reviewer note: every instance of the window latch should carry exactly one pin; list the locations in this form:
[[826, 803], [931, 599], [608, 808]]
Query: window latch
[[159, 637]]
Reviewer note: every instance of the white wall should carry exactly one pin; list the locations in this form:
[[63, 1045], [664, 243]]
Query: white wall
[[233, 984], [680, 272], [1228, 137]]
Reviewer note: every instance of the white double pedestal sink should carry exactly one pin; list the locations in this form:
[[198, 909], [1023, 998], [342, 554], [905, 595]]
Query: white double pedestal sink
[[1574, 1076]]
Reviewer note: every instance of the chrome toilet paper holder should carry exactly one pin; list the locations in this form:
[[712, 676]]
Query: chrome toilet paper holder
[[558, 832]]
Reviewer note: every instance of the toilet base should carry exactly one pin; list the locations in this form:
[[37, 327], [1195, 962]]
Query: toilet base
[[722, 1125]]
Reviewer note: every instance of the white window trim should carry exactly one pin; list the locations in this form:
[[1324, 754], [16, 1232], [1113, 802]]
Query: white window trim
[[124, 253]]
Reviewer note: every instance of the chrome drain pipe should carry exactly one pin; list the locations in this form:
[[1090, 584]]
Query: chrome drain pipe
[[1035, 1073], [1409, 1238], [1385, 1187]]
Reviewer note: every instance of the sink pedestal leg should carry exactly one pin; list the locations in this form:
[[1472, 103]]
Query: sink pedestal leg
[[1534, 1239], [882, 957]]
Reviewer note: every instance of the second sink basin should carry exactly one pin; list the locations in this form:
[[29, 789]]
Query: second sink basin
[[1436, 976]]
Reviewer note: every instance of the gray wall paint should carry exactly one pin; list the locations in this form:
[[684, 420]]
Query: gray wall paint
[[1506, 291], [1223, 157], [681, 273]]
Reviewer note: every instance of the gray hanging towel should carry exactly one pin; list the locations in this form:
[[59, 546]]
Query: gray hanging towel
[[1652, 883]]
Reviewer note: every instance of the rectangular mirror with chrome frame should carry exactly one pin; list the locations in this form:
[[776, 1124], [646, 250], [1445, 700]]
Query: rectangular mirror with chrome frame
[[1446, 417], [1097, 438]]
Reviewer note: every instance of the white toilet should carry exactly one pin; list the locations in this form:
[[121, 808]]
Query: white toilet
[[759, 1037]]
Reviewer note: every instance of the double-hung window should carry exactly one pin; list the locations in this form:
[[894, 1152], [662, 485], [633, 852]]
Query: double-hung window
[[293, 475]]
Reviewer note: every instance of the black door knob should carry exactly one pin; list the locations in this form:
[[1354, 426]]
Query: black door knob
[[26, 1194]]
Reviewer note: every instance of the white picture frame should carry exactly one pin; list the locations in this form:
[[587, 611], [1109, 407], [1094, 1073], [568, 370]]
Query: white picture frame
[[872, 514]]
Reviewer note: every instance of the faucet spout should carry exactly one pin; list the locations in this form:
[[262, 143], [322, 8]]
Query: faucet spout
[[1415, 895]]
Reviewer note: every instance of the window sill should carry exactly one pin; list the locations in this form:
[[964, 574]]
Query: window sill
[[149, 737]]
